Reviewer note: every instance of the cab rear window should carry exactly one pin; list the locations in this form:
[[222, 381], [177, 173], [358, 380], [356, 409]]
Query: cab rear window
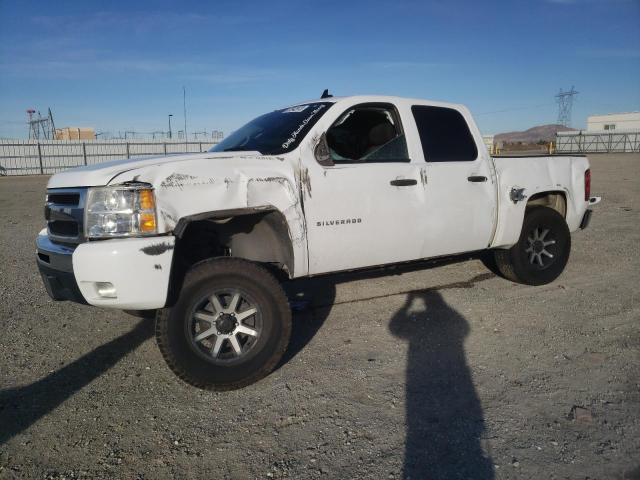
[[444, 134]]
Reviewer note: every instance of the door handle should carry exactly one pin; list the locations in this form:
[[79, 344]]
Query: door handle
[[477, 178], [403, 182]]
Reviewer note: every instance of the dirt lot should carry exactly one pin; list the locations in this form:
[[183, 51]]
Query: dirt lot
[[442, 373]]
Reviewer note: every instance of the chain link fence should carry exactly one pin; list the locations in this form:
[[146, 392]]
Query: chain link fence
[[597, 142], [45, 157]]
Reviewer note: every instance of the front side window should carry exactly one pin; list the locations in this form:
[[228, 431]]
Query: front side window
[[367, 134], [444, 134], [275, 133]]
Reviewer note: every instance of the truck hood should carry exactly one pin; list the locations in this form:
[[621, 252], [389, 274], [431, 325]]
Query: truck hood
[[103, 173]]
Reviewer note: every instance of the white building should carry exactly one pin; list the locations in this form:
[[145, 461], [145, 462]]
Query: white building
[[614, 122]]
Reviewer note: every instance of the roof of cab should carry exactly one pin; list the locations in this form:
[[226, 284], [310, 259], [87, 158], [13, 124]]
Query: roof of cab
[[381, 98]]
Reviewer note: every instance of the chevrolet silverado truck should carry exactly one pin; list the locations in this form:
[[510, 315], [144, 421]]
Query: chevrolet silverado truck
[[204, 241]]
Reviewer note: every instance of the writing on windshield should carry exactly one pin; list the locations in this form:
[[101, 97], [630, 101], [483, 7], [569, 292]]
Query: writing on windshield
[[276, 132]]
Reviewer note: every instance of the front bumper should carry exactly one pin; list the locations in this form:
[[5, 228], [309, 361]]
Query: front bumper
[[138, 270], [56, 270]]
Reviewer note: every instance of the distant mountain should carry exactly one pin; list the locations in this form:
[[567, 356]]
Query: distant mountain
[[545, 133]]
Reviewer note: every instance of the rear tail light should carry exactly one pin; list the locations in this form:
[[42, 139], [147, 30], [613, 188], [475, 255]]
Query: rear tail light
[[587, 185]]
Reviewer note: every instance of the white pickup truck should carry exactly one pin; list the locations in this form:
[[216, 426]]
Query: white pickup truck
[[323, 186]]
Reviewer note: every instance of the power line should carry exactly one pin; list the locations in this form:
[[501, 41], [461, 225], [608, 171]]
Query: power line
[[513, 109]]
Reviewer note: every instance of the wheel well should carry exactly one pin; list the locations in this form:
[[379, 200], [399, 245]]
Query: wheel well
[[260, 236], [555, 200]]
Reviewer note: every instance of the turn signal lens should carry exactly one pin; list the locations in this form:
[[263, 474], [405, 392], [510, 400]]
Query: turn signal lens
[[147, 222], [146, 199]]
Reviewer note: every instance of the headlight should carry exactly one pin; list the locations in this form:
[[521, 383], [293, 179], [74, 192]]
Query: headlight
[[120, 211]]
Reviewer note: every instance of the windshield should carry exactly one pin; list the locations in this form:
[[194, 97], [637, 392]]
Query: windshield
[[275, 133]]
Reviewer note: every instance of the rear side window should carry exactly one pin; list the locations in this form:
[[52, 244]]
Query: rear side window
[[444, 135]]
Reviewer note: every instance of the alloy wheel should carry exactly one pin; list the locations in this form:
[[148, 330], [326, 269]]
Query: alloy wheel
[[225, 326]]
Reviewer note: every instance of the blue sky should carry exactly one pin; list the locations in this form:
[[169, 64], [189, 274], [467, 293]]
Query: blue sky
[[119, 65]]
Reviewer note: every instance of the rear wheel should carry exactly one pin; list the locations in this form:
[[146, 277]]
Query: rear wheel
[[229, 327], [542, 250]]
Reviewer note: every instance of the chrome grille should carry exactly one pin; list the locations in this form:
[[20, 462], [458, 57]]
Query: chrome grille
[[64, 212]]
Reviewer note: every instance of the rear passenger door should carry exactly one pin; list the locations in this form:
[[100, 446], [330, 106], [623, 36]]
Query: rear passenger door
[[460, 192]]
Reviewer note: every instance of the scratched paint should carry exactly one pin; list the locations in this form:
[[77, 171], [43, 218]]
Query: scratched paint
[[180, 181], [245, 182], [168, 217], [305, 181], [281, 191], [176, 180], [423, 176], [157, 248]]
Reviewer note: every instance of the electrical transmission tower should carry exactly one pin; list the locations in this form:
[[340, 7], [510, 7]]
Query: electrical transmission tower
[[41, 127], [565, 104]]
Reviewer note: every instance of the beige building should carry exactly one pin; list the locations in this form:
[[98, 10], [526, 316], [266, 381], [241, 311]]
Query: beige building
[[614, 122], [75, 133], [488, 141]]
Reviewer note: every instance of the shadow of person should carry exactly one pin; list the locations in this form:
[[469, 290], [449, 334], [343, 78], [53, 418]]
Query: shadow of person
[[444, 418], [21, 407]]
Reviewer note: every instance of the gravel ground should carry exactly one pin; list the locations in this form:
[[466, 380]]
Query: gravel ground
[[445, 372]]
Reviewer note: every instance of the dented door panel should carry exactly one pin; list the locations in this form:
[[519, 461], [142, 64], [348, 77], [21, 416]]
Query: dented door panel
[[361, 214], [536, 175], [357, 218]]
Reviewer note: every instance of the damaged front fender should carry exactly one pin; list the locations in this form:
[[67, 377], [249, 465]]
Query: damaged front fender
[[222, 187]]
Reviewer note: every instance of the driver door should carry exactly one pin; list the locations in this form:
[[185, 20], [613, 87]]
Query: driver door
[[364, 201]]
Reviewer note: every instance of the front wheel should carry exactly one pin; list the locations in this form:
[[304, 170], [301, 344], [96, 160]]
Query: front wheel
[[229, 327], [542, 250]]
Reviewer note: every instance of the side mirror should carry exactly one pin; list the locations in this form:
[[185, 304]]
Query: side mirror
[[321, 152]]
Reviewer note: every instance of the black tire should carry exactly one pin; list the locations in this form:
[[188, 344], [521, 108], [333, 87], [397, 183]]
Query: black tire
[[488, 259], [197, 365], [525, 262]]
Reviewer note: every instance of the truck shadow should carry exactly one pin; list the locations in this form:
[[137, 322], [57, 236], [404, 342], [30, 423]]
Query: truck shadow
[[312, 299], [22, 406], [444, 416]]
